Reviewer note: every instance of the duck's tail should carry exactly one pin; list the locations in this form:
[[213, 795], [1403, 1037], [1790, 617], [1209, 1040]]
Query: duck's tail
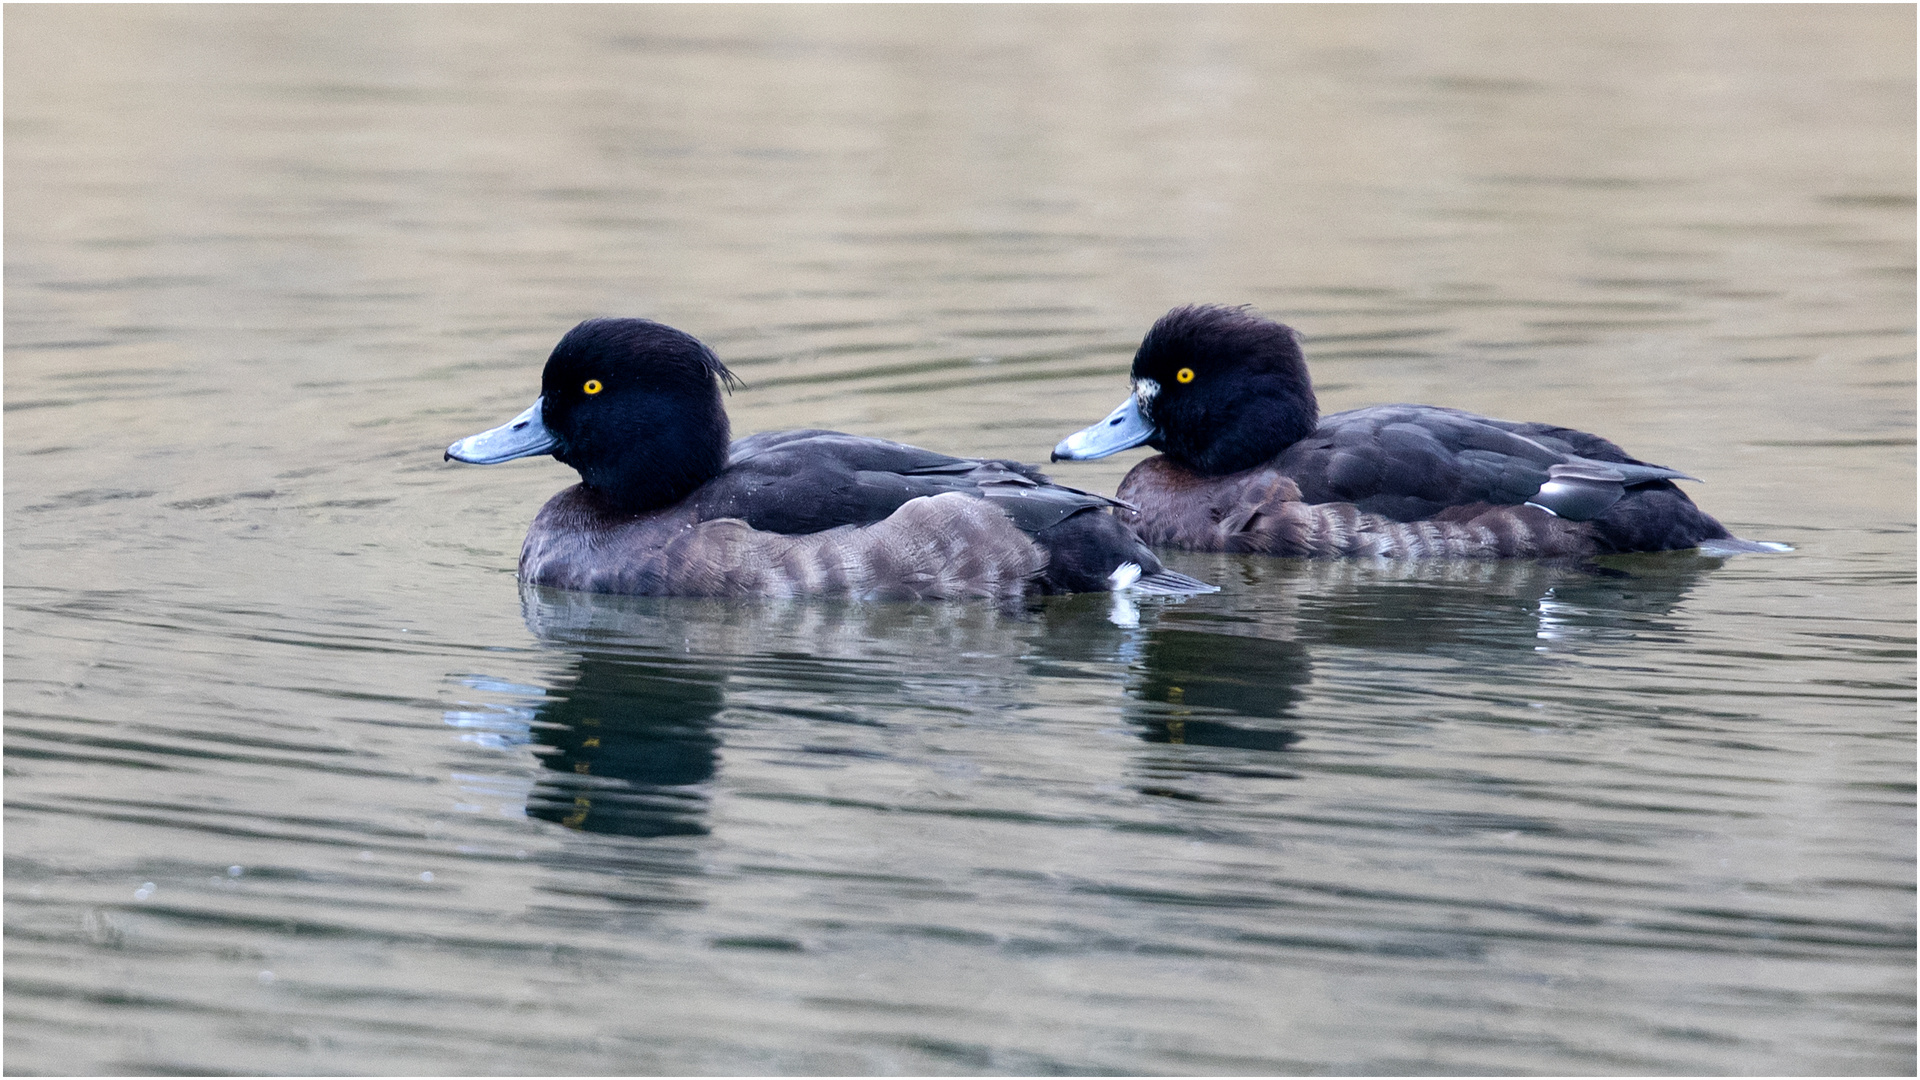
[[1127, 582], [1163, 582]]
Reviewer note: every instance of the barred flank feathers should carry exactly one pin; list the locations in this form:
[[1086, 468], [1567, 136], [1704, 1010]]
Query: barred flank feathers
[[1260, 511], [945, 546]]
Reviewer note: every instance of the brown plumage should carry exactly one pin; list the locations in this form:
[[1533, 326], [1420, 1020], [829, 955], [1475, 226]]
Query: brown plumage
[[1260, 511], [669, 506], [941, 547], [1249, 464]]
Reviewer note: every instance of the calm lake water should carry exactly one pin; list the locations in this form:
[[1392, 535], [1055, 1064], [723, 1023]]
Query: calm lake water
[[298, 780]]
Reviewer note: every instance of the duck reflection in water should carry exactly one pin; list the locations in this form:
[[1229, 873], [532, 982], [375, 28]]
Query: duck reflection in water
[[1209, 689], [632, 742], [628, 732], [1195, 676], [1221, 671], [1218, 685]]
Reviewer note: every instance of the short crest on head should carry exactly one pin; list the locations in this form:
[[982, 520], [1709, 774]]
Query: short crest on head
[[1208, 332], [621, 341]]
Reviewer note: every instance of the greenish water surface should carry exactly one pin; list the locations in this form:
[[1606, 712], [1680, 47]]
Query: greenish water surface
[[298, 780]]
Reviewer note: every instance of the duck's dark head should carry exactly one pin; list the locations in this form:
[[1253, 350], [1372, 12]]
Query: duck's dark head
[[632, 404], [1217, 389]]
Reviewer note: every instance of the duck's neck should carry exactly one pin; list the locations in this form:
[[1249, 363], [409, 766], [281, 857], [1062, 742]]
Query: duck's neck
[[657, 466], [1252, 430]]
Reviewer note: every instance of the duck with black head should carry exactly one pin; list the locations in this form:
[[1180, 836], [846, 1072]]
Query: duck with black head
[[1248, 464], [668, 506]]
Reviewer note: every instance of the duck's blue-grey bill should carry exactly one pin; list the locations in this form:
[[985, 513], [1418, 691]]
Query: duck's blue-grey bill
[[1123, 427], [522, 436]]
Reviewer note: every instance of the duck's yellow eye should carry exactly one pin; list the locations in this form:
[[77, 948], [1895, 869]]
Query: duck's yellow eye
[[592, 387], [1185, 374]]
